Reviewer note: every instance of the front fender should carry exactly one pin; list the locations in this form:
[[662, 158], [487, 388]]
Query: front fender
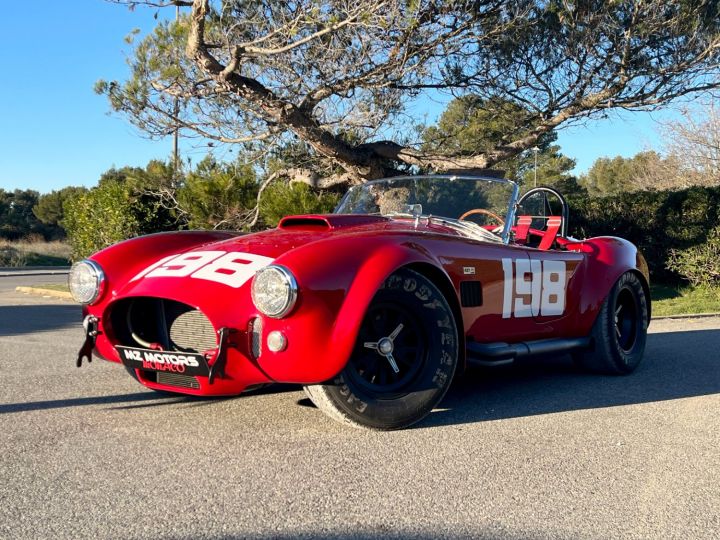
[[334, 297]]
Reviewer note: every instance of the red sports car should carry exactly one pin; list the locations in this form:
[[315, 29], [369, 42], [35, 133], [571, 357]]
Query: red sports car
[[374, 308]]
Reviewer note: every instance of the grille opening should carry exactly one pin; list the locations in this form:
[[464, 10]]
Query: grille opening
[[147, 322]]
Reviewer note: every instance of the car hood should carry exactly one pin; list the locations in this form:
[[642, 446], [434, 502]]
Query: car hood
[[230, 263], [295, 231]]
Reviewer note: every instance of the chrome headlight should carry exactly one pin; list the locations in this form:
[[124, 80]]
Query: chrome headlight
[[86, 281], [274, 291]]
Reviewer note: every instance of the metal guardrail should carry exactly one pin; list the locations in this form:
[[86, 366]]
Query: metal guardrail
[[33, 270]]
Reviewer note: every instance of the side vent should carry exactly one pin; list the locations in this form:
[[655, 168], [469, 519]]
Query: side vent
[[470, 293]]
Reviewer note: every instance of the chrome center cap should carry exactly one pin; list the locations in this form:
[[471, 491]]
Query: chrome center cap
[[385, 346]]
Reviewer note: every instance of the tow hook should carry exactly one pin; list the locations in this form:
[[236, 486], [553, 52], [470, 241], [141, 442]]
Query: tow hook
[[218, 367], [91, 331]]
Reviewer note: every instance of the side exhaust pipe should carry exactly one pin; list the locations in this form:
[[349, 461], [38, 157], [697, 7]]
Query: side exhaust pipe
[[499, 353]]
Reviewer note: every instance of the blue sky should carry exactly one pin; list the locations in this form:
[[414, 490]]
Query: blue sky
[[55, 132]]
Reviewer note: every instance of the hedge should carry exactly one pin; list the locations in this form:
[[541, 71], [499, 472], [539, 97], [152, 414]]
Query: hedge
[[658, 222]]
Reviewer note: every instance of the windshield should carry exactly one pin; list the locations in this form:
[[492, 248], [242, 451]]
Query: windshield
[[443, 198]]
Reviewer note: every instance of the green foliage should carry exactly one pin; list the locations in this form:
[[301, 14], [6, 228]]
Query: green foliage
[[281, 199], [472, 125], [658, 222], [49, 208], [123, 205], [611, 176], [99, 218], [699, 264], [217, 195], [12, 257], [17, 219]]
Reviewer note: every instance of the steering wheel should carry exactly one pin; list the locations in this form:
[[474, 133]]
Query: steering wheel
[[497, 218]]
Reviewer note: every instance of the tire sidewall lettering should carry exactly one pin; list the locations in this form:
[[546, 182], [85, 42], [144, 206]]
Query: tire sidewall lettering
[[437, 372]]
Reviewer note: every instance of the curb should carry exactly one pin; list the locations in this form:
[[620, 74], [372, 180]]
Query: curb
[[686, 316], [45, 292]]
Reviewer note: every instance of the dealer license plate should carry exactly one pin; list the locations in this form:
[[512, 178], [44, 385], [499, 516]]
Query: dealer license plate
[[170, 361]]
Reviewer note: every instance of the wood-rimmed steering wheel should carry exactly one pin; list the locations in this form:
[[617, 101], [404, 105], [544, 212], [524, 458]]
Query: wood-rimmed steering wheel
[[500, 220]]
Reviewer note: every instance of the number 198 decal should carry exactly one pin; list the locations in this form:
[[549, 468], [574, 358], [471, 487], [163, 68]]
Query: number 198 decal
[[534, 288]]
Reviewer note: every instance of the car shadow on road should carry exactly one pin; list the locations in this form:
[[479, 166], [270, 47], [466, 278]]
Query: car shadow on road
[[28, 319], [676, 365], [137, 400], [6, 408]]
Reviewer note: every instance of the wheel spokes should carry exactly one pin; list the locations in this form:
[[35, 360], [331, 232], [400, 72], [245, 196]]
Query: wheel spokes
[[395, 332], [387, 357], [393, 364]]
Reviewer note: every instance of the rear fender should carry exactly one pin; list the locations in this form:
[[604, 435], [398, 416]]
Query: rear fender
[[608, 259]]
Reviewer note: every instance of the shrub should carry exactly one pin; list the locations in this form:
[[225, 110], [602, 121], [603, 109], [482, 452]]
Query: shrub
[[109, 213], [281, 199], [700, 264], [658, 222], [218, 195], [9, 256]]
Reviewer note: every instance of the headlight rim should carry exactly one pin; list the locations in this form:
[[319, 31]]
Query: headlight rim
[[100, 280], [292, 290]]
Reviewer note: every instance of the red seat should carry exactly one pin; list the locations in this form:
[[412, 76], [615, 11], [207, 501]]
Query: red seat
[[522, 229], [551, 232]]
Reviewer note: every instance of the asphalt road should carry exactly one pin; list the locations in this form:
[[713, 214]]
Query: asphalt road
[[530, 451]]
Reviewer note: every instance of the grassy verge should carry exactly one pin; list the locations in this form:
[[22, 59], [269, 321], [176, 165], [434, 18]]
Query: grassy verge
[[28, 253], [684, 300], [54, 287]]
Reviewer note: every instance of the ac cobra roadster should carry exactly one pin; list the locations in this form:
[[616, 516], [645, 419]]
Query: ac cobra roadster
[[375, 308]]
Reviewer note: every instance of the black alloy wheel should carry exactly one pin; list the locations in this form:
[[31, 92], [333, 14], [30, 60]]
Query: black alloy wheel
[[403, 361], [372, 370]]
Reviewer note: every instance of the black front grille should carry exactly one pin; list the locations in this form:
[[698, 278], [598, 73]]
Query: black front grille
[[159, 323]]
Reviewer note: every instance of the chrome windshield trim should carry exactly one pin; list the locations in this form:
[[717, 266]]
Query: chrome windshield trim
[[512, 209]]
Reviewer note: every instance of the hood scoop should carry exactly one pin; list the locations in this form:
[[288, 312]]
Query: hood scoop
[[326, 222]]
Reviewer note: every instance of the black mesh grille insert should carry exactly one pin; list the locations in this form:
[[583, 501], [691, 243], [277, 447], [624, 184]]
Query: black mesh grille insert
[[470, 293]]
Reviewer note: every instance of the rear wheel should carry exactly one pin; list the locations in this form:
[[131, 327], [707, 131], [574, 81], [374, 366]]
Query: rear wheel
[[620, 330], [403, 361]]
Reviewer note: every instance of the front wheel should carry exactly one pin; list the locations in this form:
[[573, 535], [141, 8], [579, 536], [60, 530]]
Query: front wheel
[[620, 330], [403, 361]]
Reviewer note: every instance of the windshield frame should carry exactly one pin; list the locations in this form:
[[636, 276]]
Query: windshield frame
[[512, 203]]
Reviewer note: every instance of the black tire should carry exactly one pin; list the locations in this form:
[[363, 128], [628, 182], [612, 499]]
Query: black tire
[[620, 330], [369, 393]]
